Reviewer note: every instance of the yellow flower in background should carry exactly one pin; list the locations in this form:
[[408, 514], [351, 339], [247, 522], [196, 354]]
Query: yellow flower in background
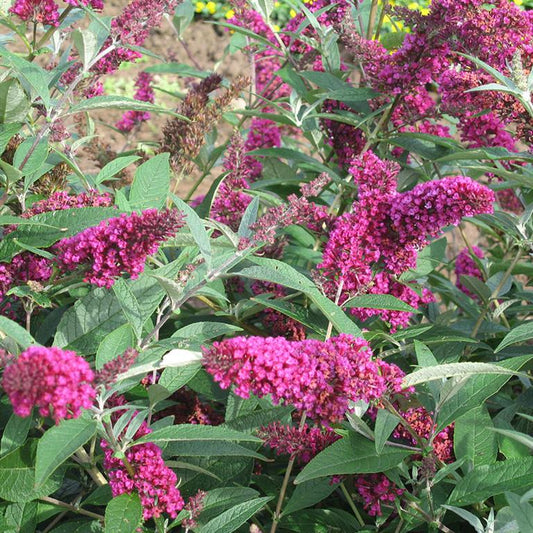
[[276, 28], [229, 14], [200, 6], [211, 7], [277, 4], [415, 6], [292, 13]]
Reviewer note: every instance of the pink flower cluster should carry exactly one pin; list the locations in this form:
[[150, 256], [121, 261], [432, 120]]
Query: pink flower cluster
[[376, 489], [24, 267], [231, 201], [58, 382], [47, 11], [266, 62], [117, 245], [263, 133], [195, 506], [275, 322], [132, 27], [346, 140], [61, 200], [28, 267], [422, 423], [465, 265], [317, 377], [152, 479], [144, 93], [44, 11], [493, 32], [108, 374], [300, 443], [385, 230]]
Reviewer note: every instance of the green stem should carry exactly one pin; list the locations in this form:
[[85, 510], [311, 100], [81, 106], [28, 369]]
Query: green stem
[[49, 32], [372, 19], [211, 276], [70, 507], [351, 503], [382, 123], [381, 19], [95, 474], [284, 485]]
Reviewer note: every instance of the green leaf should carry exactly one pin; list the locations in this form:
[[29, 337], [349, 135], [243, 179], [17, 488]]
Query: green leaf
[[495, 73], [379, 301], [249, 217], [151, 184], [471, 518], [194, 432], [351, 455], [485, 481], [46, 229], [284, 274], [113, 345], [89, 320], [308, 494], [114, 167], [385, 424], [393, 39], [7, 131], [12, 174], [210, 449], [197, 229], [473, 439], [119, 102], [86, 45], [123, 514], [79, 526], [9, 328], [475, 391], [522, 438], [32, 76], [174, 378], [31, 162], [521, 333], [17, 476], [251, 421], [476, 286], [233, 518], [199, 332], [183, 16], [326, 80], [85, 325], [254, 36], [14, 103], [59, 443], [428, 259], [218, 500], [180, 69], [15, 433], [303, 160], [321, 521], [460, 370], [301, 314], [21, 517], [522, 511], [130, 306]]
